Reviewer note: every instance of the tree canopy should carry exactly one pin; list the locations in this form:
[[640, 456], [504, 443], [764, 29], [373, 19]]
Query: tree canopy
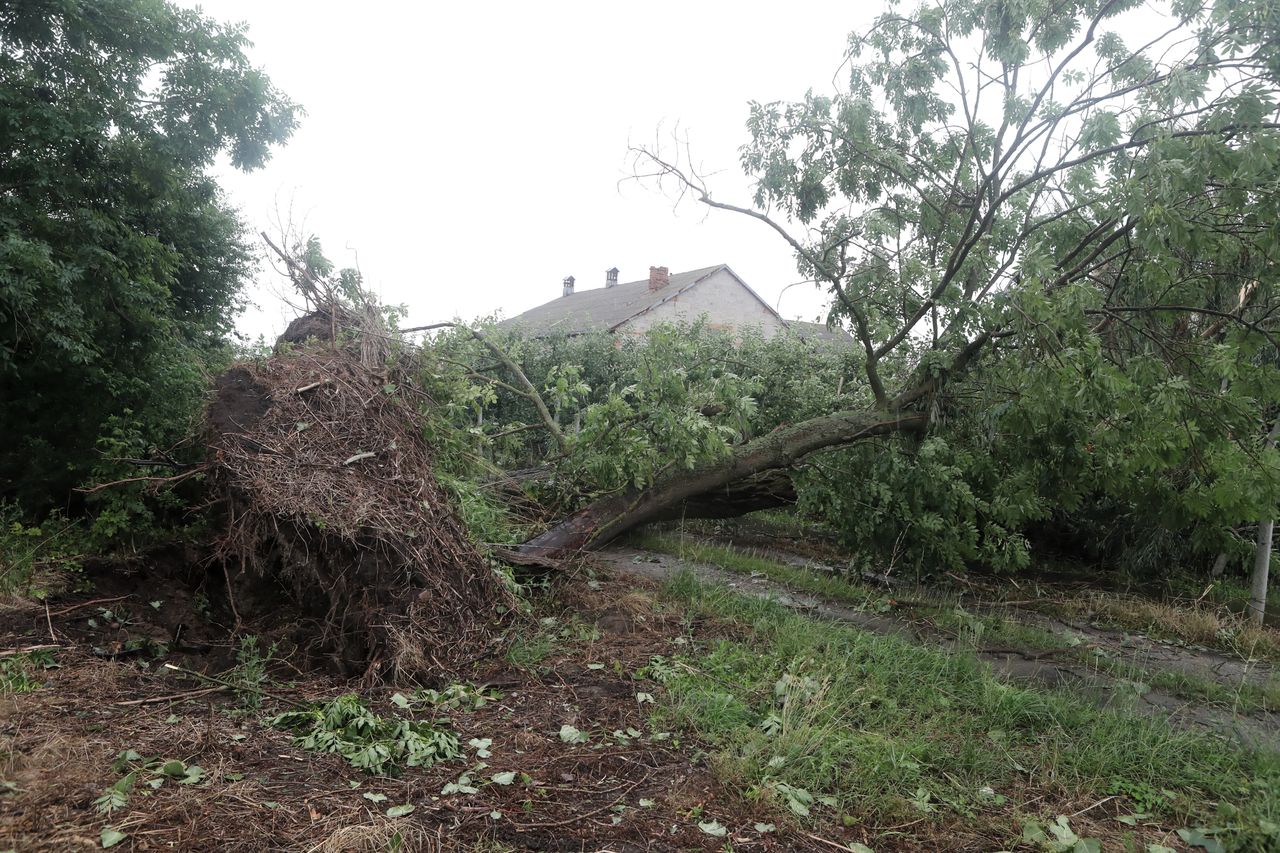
[[121, 263]]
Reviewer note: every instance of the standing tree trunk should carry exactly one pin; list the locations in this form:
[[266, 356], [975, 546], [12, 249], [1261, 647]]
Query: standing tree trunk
[[1261, 570], [1262, 557]]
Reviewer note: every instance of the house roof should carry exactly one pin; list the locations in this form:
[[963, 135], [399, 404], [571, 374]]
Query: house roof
[[603, 308], [821, 332]]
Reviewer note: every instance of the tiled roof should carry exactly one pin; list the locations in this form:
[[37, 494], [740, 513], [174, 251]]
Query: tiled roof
[[602, 308]]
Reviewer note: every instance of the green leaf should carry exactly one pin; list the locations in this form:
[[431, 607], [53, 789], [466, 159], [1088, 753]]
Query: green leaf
[[400, 811], [713, 828], [504, 778], [111, 837], [1201, 837], [374, 797], [569, 734]]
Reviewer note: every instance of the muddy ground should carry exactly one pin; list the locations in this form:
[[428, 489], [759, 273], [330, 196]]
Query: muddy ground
[[638, 790]]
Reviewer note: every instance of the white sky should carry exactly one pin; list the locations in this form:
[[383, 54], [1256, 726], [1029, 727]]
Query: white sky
[[471, 153]]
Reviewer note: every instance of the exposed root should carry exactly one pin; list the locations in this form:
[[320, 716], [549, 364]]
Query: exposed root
[[328, 492]]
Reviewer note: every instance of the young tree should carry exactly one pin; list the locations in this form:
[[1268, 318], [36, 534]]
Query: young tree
[[120, 263], [1089, 183]]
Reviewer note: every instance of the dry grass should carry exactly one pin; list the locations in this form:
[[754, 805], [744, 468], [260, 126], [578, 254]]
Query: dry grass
[[384, 834], [1198, 623]]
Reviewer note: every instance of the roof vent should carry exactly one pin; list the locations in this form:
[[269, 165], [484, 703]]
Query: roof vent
[[568, 286], [659, 277], [611, 277]]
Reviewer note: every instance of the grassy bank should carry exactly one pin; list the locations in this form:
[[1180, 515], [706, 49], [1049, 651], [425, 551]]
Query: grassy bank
[[821, 716]]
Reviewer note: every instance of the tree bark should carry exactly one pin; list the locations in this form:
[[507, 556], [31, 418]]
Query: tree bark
[[1262, 557], [607, 518], [1261, 569], [766, 490]]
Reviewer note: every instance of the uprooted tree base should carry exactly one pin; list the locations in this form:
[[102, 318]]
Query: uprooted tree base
[[326, 492]]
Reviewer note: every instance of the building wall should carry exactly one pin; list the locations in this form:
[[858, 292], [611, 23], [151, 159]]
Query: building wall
[[727, 304]]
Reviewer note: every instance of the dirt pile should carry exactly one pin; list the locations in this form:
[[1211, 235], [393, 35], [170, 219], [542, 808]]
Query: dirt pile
[[327, 494]]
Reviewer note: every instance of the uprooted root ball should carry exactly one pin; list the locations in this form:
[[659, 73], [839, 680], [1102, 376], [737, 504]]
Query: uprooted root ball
[[327, 490]]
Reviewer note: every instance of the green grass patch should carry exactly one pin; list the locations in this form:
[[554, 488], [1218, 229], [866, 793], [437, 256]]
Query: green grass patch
[[826, 585], [987, 631], [892, 731]]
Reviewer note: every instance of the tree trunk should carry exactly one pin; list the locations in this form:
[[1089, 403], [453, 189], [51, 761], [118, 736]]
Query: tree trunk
[[609, 517], [1261, 569], [1262, 557], [766, 490]]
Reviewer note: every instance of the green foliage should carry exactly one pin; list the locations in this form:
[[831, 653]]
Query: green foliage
[[120, 262], [632, 409], [38, 559], [152, 773], [371, 743], [250, 672]]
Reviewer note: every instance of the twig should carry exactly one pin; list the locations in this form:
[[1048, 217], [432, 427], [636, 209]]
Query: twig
[[522, 827], [242, 687], [40, 647], [313, 385], [49, 621], [174, 479], [188, 694], [1094, 806], [64, 611], [231, 598], [822, 840]]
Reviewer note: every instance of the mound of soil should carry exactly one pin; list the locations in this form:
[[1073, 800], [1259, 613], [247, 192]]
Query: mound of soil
[[327, 492]]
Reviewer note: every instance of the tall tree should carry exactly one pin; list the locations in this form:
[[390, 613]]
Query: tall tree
[[120, 262], [1090, 184]]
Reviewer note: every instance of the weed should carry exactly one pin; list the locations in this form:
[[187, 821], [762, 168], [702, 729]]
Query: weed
[[250, 671], [36, 560], [151, 772], [1197, 623], [527, 650], [18, 673]]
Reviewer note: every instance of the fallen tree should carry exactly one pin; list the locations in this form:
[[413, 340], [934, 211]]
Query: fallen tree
[[1001, 173]]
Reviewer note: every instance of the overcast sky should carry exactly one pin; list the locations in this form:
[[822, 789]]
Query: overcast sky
[[470, 154]]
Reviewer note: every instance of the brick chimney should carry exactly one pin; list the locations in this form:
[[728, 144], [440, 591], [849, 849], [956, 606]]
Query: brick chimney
[[611, 277], [568, 286], [659, 277]]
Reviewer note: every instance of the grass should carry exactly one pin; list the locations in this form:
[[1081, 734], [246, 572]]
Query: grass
[[830, 586], [981, 631], [1199, 624], [896, 732]]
